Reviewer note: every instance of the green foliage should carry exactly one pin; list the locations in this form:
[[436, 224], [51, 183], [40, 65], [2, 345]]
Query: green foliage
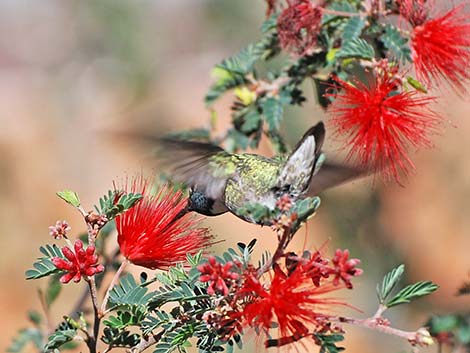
[[272, 112], [353, 28], [116, 202], [44, 266], [120, 338], [357, 48], [411, 292], [389, 282], [24, 337], [53, 290], [125, 318], [328, 343], [59, 338], [129, 293], [70, 197], [304, 208], [405, 295], [339, 7], [456, 325], [416, 84], [396, 43]]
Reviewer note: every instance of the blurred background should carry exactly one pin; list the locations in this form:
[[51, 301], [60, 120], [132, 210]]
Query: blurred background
[[71, 71]]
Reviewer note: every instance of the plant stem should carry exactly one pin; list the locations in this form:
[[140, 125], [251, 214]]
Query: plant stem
[[281, 246], [420, 337], [93, 338], [144, 344], [111, 286]]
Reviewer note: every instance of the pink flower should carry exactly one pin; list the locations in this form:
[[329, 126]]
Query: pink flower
[[345, 268], [219, 277], [60, 230], [80, 263], [299, 25], [378, 121], [441, 48], [156, 232]]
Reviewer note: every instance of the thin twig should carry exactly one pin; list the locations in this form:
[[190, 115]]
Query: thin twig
[[144, 344], [111, 286], [96, 322]]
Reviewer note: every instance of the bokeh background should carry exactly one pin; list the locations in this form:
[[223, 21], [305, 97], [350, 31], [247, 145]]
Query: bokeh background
[[72, 71]]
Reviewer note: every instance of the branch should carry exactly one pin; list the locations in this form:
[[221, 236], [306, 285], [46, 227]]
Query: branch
[[144, 344], [121, 268]]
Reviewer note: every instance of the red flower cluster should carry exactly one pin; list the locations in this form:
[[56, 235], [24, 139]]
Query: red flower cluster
[[298, 26], [345, 268], [379, 120], [289, 299], [80, 263], [157, 233], [441, 48], [414, 11], [219, 277]]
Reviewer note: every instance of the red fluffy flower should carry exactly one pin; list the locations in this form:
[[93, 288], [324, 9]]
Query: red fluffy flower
[[154, 233], [290, 300], [80, 263], [378, 121], [298, 26], [441, 49], [220, 277]]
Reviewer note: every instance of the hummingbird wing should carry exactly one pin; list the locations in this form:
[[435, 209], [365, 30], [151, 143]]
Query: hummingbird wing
[[301, 164], [202, 166], [333, 174]]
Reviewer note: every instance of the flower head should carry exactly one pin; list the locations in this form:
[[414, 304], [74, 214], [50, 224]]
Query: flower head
[[157, 232], [298, 26], [378, 121], [59, 230], [414, 11], [441, 48], [219, 277], [291, 300], [80, 262], [345, 268]]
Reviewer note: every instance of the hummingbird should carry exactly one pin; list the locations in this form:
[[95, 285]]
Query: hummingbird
[[223, 182]]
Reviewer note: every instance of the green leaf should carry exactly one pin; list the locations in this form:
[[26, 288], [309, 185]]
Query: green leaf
[[125, 318], [53, 290], [70, 197], [416, 84], [272, 111], [59, 338], [44, 266], [25, 336], [396, 43], [35, 317], [129, 293], [328, 343], [389, 282], [412, 291], [269, 24], [117, 202], [353, 28], [120, 338], [304, 209], [251, 121], [356, 48], [337, 6]]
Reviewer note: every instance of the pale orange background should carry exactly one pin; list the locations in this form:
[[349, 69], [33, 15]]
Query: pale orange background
[[71, 71]]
